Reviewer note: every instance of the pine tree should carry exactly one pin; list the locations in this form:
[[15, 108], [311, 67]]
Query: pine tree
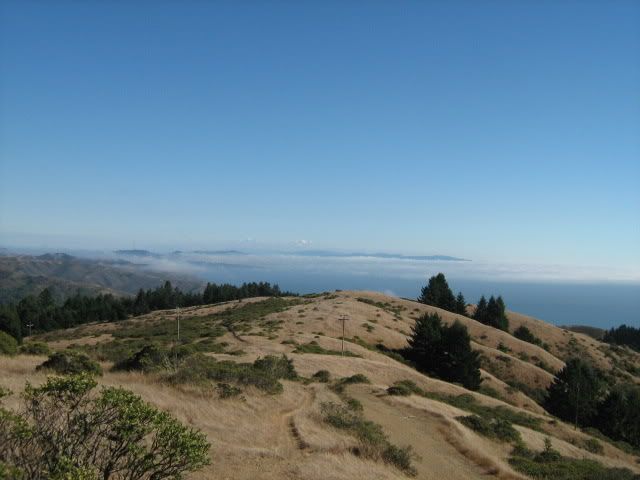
[[444, 351], [461, 304], [481, 310], [438, 294], [576, 392]]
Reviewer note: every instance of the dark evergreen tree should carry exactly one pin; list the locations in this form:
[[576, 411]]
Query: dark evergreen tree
[[444, 351], [619, 414], [461, 304], [481, 310], [438, 294], [10, 322], [576, 392], [624, 335], [492, 313]]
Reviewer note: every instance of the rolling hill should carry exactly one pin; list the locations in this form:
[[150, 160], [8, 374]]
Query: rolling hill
[[65, 275], [287, 435]]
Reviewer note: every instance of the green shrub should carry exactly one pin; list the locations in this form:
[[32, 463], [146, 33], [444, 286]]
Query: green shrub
[[338, 387], [8, 344], [34, 348], [322, 376], [70, 362], [151, 357], [276, 367], [498, 428], [400, 390], [263, 374], [549, 464], [66, 431]]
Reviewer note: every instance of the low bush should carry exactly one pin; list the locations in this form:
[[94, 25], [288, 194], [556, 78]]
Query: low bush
[[276, 367], [34, 348], [66, 431], [263, 374], [338, 386], [322, 376], [399, 390], [149, 358], [70, 362], [497, 428], [549, 464], [8, 344]]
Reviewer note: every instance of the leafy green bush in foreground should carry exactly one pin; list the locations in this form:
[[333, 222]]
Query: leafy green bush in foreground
[[67, 431]]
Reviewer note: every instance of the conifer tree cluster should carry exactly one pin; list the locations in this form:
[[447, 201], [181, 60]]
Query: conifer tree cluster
[[624, 335], [580, 394], [444, 351], [43, 314], [492, 313], [438, 294]]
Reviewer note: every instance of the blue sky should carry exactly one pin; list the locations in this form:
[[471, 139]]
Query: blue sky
[[493, 130]]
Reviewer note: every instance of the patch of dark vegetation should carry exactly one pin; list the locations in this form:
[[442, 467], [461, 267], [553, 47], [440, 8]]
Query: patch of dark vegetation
[[444, 351], [70, 362], [8, 344], [34, 348], [623, 335], [44, 314], [524, 334], [322, 376], [549, 464], [580, 394], [314, 347], [373, 443], [496, 428], [340, 385], [263, 374], [149, 358]]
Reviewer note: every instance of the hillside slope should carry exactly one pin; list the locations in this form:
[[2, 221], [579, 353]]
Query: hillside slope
[[287, 436], [65, 275]]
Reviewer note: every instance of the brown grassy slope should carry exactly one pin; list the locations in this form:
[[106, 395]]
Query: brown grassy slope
[[283, 436]]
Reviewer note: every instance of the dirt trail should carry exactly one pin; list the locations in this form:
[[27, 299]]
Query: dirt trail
[[438, 459]]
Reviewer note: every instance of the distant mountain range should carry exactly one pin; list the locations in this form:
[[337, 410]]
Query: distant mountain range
[[65, 275]]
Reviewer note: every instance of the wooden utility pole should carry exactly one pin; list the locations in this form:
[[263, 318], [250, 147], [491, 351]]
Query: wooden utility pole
[[343, 318]]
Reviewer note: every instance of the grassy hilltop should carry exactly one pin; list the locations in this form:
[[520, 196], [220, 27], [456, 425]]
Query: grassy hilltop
[[317, 414]]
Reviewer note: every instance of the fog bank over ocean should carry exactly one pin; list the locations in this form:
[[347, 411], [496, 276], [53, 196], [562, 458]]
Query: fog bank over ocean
[[563, 295]]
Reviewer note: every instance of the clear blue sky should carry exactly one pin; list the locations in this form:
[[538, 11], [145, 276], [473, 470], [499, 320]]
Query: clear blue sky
[[488, 130]]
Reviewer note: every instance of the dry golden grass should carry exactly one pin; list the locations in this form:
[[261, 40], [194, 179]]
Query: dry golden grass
[[284, 437]]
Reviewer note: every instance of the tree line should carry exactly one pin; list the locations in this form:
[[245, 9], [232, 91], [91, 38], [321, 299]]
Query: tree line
[[623, 335], [437, 293], [581, 394], [40, 313]]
